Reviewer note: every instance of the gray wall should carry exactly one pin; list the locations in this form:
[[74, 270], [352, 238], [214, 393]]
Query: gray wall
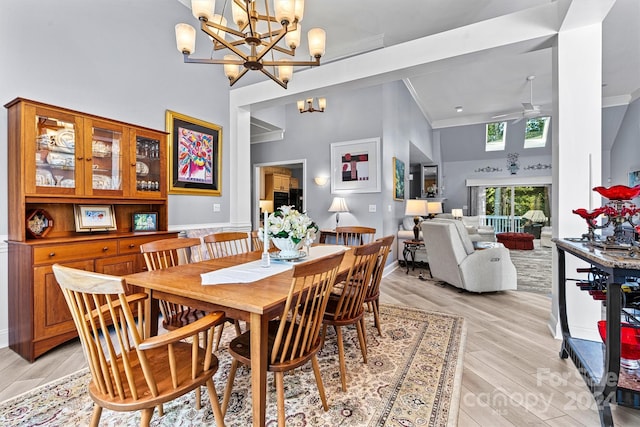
[[386, 111], [625, 153], [92, 57], [463, 149]]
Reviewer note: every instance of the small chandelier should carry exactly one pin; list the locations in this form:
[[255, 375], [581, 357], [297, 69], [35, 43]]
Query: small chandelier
[[257, 33], [322, 104]]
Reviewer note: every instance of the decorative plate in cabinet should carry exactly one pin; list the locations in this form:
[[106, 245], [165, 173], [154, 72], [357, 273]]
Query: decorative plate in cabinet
[[39, 223]]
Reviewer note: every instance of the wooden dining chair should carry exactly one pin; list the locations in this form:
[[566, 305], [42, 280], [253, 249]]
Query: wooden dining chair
[[256, 243], [348, 307], [355, 235], [372, 296], [223, 244], [227, 243], [165, 253], [130, 372], [294, 338]]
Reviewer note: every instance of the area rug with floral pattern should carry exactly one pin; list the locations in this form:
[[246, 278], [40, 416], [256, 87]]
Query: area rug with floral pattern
[[412, 378]]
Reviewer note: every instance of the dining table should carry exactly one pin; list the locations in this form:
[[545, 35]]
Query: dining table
[[256, 301]]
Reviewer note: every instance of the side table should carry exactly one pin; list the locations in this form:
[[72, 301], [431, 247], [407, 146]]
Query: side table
[[410, 248]]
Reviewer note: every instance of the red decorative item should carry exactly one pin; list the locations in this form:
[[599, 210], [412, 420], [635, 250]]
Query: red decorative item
[[629, 339], [619, 192], [590, 217]]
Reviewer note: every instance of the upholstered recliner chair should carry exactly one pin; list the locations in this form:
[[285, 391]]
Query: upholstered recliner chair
[[453, 259]]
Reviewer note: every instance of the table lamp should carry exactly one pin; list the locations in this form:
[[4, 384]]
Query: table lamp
[[433, 208], [266, 206], [339, 204], [457, 213], [416, 208]]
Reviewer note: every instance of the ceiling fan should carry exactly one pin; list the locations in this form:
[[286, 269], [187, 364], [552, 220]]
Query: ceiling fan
[[529, 109]]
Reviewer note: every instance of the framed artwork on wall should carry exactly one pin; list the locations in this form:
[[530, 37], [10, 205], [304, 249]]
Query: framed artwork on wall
[[355, 166], [398, 179], [634, 178], [195, 155]]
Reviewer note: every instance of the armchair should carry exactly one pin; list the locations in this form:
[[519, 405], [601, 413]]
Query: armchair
[[453, 259]]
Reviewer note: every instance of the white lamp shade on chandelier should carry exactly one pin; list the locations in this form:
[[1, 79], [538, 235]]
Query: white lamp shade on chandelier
[[257, 34]]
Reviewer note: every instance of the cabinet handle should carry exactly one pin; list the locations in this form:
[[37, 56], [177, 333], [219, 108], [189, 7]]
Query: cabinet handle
[[133, 165], [80, 158], [131, 245], [89, 159], [105, 249], [52, 254]]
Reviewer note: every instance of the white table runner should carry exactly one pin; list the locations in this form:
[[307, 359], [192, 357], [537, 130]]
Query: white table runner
[[254, 271]]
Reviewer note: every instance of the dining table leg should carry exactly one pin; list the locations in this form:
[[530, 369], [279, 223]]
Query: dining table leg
[[259, 344]]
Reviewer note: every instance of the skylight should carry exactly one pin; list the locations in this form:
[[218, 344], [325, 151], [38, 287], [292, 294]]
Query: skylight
[[535, 132], [496, 134]]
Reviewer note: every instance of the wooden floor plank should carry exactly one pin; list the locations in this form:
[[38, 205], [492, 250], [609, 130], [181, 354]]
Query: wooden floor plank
[[509, 357]]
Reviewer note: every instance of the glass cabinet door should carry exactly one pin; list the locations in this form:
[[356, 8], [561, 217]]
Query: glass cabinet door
[[105, 159], [55, 151], [149, 164]]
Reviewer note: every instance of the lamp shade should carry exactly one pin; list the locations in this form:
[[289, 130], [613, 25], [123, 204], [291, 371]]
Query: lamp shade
[[457, 213], [185, 38], [339, 204], [535, 216], [434, 207], [415, 207], [266, 205], [316, 38]]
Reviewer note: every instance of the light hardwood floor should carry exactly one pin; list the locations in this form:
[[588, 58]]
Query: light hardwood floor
[[512, 373]]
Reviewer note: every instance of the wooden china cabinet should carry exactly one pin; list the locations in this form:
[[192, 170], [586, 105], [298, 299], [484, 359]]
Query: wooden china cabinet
[[74, 180]]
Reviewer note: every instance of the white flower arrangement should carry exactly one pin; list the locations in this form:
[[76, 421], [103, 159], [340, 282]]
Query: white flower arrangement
[[288, 222]]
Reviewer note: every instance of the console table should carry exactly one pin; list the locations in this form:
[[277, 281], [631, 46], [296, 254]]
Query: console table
[[601, 372]]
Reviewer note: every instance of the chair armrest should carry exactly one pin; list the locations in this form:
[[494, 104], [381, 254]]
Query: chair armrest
[[202, 324]]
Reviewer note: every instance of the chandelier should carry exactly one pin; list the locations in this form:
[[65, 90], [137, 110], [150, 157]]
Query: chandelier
[[322, 104], [258, 32]]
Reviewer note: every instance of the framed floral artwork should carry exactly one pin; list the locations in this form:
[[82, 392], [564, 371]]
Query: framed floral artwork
[[94, 218], [195, 155], [355, 166], [398, 179]]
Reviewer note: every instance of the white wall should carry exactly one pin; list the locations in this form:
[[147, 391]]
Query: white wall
[[94, 57]]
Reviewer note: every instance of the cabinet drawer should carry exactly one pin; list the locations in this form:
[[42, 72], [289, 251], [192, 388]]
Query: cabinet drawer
[[71, 251], [132, 245]]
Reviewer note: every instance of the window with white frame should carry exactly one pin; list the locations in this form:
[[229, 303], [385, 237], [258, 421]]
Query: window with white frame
[[535, 132], [496, 134]]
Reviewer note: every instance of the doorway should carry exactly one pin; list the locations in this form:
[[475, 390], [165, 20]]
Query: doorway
[[279, 183], [504, 207]]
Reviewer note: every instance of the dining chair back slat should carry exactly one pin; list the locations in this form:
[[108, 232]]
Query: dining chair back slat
[[130, 372], [227, 243], [355, 235]]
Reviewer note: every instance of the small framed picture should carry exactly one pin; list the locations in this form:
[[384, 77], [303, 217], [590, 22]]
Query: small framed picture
[[144, 221], [94, 218]]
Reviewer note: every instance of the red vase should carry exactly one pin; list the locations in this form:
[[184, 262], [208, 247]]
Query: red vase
[[619, 192], [629, 339]]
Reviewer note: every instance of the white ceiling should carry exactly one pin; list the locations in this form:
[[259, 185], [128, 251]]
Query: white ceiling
[[483, 87]]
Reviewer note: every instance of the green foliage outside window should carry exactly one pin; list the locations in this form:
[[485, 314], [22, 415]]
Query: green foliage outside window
[[525, 198], [495, 132], [535, 128]]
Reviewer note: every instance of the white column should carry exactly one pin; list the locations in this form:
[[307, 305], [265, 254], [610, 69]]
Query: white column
[[577, 147]]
